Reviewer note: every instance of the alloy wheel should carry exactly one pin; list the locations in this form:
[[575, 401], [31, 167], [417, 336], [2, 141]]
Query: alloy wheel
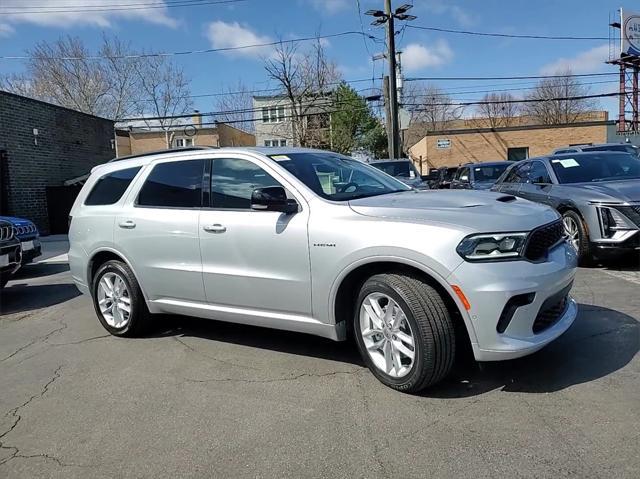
[[387, 335], [572, 231], [114, 300]]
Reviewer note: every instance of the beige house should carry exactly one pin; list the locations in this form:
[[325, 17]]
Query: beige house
[[134, 139], [464, 141]]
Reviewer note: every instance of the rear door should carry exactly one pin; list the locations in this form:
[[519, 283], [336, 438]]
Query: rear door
[[538, 184], [157, 230]]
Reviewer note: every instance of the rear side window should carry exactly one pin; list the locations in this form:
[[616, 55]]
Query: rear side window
[[177, 184], [110, 188]]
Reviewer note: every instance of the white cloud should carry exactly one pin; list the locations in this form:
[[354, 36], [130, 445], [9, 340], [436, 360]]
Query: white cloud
[[416, 56], [232, 35], [330, 6], [585, 62], [79, 14]]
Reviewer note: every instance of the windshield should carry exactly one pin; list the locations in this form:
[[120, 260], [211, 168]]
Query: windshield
[[595, 167], [338, 178], [404, 169], [488, 173]]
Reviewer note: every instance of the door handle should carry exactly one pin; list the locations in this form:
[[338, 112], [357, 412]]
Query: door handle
[[217, 228], [127, 224]]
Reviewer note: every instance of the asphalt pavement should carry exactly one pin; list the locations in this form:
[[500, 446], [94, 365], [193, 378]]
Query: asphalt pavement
[[200, 398]]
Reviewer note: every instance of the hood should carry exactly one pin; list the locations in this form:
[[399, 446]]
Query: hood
[[623, 190], [479, 211], [16, 221]]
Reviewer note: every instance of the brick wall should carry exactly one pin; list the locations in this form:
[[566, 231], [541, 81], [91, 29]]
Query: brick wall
[[69, 144], [492, 145], [230, 136]]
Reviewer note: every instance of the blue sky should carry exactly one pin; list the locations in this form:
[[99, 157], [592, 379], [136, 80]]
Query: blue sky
[[251, 21]]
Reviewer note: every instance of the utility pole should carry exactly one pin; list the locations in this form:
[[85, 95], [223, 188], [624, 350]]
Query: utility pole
[[387, 114], [387, 16]]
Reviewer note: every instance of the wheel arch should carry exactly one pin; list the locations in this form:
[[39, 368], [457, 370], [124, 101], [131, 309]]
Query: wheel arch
[[348, 284], [101, 256]]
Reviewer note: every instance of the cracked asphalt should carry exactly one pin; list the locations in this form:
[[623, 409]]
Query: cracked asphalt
[[206, 399]]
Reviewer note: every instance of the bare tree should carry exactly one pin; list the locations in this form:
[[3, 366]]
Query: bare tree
[[430, 107], [498, 109], [553, 101], [114, 83], [307, 79], [236, 107]]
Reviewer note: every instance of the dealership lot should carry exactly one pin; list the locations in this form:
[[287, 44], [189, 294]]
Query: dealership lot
[[201, 398]]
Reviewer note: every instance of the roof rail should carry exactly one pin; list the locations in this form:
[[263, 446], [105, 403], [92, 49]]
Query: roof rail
[[158, 152]]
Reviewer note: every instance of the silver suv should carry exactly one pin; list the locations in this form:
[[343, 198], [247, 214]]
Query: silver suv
[[319, 243]]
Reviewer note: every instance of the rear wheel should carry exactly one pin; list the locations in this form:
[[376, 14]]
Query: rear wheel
[[118, 300], [404, 332], [577, 236]]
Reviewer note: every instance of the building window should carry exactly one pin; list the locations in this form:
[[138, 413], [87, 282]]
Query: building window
[[183, 142], [517, 154], [272, 114], [273, 143]]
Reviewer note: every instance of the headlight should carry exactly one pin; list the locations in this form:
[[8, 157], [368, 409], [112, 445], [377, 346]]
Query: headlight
[[492, 246]]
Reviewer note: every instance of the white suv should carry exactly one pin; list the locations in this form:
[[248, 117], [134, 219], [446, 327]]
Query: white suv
[[315, 242]]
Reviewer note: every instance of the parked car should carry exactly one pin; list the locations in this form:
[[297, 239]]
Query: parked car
[[403, 170], [27, 233], [10, 252], [622, 147], [443, 178], [478, 176], [598, 195], [316, 242]]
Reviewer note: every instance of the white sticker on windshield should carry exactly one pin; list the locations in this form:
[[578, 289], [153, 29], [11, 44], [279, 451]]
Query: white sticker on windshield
[[280, 157], [567, 163]]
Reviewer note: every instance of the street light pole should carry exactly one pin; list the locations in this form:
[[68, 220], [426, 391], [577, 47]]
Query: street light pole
[[394, 136]]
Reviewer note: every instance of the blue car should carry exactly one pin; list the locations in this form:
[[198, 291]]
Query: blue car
[[27, 233]]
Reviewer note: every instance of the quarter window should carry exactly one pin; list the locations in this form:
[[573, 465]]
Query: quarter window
[[110, 188], [177, 184], [233, 181]]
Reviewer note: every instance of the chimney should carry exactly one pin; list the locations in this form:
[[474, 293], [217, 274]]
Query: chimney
[[196, 119]]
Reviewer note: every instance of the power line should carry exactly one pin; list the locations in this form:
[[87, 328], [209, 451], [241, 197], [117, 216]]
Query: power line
[[504, 35], [523, 77], [189, 52], [117, 7]]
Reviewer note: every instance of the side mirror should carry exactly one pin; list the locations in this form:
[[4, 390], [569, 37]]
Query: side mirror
[[273, 198]]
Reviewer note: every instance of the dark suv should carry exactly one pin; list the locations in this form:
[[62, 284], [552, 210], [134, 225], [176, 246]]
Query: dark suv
[[478, 176], [10, 252]]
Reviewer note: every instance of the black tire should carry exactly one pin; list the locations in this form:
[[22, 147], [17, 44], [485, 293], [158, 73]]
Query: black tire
[[585, 253], [3, 281], [139, 318], [430, 321]]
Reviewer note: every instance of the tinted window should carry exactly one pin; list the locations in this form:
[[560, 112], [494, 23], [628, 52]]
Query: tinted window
[[462, 172], [590, 167], [397, 168], [110, 188], [233, 180], [539, 173], [488, 172], [177, 184], [622, 147], [518, 174], [338, 177]]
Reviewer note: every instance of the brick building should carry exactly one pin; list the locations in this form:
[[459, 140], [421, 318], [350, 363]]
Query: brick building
[[143, 137], [41, 146], [471, 140]]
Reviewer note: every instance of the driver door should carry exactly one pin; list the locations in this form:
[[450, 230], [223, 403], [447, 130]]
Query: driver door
[[255, 260]]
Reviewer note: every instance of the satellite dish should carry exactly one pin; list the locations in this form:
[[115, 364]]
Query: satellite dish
[[190, 130]]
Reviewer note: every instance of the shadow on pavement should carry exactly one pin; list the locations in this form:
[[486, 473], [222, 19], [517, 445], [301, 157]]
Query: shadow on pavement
[[627, 262], [18, 298], [31, 271], [600, 342], [257, 337]]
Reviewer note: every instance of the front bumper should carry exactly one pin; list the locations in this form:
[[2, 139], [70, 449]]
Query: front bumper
[[489, 286], [10, 257], [31, 248]]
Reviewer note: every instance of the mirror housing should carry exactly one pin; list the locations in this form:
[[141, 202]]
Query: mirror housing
[[273, 198]]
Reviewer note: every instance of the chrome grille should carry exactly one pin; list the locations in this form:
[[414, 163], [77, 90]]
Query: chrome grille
[[6, 232], [542, 239]]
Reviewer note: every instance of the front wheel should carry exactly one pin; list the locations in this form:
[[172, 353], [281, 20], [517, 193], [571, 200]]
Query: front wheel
[[577, 236], [404, 332]]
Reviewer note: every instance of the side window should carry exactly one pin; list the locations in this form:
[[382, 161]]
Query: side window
[[519, 174], [463, 175], [539, 173], [233, 180], [177, 184], [110, 188]]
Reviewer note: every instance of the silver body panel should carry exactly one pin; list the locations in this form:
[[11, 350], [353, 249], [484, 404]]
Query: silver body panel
[[284, 271]]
